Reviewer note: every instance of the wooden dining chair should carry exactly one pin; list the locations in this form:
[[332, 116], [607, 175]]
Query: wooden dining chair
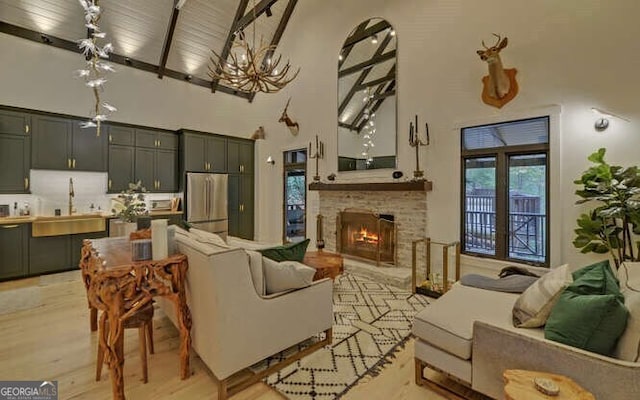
[[143, 321]]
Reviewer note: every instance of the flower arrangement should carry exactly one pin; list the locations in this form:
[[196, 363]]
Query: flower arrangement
[[130, 203]]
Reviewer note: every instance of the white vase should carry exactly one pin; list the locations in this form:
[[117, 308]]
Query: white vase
[[121, 228]]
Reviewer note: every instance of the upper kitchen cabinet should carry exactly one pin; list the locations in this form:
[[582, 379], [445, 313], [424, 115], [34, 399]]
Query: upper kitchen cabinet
[[15, 151], [240, 156], [121, 135], [201, 152], [156, 139], [59, 143], [156, 160]]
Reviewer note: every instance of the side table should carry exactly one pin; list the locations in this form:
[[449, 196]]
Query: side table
[[327, 265], [519, 386]]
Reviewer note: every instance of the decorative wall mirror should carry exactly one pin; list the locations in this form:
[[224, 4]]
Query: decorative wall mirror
[[367, 97]]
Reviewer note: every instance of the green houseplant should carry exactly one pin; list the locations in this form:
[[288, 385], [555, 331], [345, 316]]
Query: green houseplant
[[130, 203], [612, 225]]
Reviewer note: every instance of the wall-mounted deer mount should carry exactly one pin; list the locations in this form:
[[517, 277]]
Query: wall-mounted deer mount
[[500, 86], [294, 127]]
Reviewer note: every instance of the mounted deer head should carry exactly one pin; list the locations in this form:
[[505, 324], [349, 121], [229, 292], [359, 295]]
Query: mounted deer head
[[293, 127], [500, 85]]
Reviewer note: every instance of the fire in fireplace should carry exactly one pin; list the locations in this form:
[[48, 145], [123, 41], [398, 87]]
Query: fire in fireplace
[[365, 234]]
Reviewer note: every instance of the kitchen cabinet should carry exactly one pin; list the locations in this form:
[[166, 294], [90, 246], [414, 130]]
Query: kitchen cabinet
[[156, 169], [156, 139], [57, 253], [120, 135], [240, 156], [14, 250], [202, 152], [121, 168], [15, 151], [60, 144], [241, 205]]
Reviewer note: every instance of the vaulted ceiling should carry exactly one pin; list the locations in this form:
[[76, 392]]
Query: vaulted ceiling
[[171, 38]]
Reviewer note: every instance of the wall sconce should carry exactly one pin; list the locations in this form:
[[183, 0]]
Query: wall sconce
[[270, 160], [602, 123]]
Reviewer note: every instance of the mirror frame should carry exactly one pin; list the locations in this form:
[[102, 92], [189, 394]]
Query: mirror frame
[[367, 29]]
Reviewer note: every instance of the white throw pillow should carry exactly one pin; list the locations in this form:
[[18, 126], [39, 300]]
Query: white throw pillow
[[628, 347], [534, 305], [208, 237], [286, 275]]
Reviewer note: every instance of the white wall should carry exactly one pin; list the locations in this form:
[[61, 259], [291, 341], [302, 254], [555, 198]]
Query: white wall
[[573, 53]]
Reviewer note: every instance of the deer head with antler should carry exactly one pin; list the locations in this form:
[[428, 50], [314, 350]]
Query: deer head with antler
[[500, 85], [293, 127]]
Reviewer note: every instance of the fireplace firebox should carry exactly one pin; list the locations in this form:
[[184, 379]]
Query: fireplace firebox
[[365, 234]]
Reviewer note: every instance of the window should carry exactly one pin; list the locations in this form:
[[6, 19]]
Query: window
[[295, 184], [505, 171]]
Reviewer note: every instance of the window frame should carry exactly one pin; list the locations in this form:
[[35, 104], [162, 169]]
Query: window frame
[[502, 155]]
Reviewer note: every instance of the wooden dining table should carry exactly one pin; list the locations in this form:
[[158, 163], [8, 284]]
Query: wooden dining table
[[119, 286]]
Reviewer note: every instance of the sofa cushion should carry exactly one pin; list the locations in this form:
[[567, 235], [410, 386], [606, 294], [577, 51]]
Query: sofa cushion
[[257, 274], [286, 275], [590, 313], [208, 237], [287, 252], [447, 323], [628, 347], [533, 307]]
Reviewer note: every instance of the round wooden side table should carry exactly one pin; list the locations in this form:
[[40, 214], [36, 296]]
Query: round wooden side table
[[519, 386], [327, 264]]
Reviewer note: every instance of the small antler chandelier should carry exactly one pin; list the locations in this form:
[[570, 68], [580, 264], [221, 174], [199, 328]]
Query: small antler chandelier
[[249, 69]]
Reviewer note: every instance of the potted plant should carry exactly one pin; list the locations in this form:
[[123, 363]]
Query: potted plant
[[611, 226], [127, 206]]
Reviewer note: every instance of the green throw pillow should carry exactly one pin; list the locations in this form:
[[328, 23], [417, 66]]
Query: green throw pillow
[[287, 252], [590, 313]]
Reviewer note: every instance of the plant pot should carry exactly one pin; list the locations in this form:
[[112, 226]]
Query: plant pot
[[121, 228]]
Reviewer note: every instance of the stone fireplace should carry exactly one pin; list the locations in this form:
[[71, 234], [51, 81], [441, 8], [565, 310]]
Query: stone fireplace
[[368, 235], [405, 201]]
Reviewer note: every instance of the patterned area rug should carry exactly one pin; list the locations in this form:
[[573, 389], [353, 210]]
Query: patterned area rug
[[371, 321]]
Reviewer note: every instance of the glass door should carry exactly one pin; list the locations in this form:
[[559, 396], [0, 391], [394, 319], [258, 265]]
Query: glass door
[[295, 196]]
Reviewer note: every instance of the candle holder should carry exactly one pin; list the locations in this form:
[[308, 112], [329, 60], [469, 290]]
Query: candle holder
[[318, 154], [416, 142], [319, 239]]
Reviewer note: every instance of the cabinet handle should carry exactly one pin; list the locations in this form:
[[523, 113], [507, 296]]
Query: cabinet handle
[[109, 184], [69, 163], [159, 142], [110, 138], [26, 183], [26, 128], [73, 163], [9, 226], [158, 184]]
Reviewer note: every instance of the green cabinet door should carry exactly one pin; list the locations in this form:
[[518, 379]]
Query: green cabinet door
[[14, 163], [165, 171], [15, 122], [233, 204], [89, 151], [146, 138], [217, 154], [14, 250], [193, 153], [49, 254], [122, 135], [121, 164], [246, 225], [144, 168], [167, 140], [51, 146], [240, 156]]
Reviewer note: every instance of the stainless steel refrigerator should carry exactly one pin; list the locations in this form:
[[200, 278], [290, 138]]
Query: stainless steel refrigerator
[[206, 202]]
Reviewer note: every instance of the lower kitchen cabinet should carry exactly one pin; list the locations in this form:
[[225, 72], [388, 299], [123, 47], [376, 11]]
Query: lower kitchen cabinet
[[14, 250], [57, 253]]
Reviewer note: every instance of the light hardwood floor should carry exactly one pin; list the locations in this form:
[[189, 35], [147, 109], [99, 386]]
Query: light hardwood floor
[[44, 335]]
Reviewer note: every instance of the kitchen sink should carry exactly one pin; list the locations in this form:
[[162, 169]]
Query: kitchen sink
[[67, 224]]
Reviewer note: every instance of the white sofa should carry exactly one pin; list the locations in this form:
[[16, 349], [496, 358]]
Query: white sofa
[[469, 335], [234, 326]]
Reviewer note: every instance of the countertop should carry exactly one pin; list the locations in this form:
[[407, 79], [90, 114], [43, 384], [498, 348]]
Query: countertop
[[32, 218]]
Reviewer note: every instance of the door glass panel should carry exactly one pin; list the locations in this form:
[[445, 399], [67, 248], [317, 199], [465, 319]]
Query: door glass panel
[[527, 211], [295, 184], [480, 205]]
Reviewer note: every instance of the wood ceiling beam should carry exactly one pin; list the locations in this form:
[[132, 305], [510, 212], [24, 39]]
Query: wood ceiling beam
[[254, 13], [231, 36], [377, 82], [346, 50], [277, 35], [168, 39], [369, 63], [363, 75], [113, 57], [347, 126], [372, 30], [379, 99]]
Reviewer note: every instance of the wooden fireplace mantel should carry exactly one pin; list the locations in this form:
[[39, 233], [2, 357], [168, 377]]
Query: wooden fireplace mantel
[[415, 186]]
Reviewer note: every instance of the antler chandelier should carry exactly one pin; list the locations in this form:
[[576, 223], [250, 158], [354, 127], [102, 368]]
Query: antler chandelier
[[249, 69]]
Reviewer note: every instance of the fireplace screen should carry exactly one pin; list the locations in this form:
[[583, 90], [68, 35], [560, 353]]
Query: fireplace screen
[[367, 235]]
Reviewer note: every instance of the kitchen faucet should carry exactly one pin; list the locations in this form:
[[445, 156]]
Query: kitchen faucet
[[71, 196]]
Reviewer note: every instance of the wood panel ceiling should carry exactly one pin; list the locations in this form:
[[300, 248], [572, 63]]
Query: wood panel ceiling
[[159, 36]]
